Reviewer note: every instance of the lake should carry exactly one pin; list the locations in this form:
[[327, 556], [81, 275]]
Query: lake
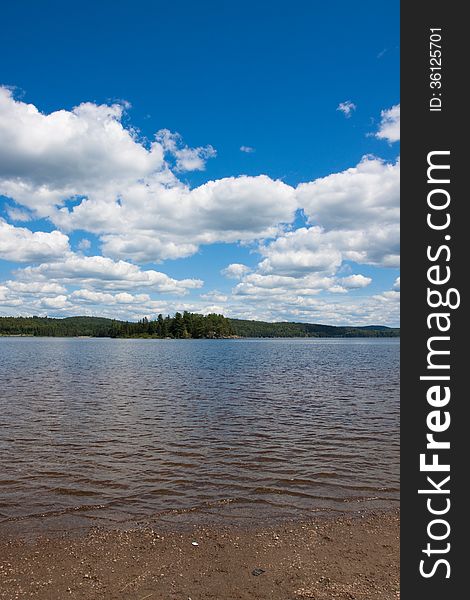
[[117, 432]]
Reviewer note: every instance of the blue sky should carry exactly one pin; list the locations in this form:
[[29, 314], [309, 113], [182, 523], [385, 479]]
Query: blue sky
[[277, 152]]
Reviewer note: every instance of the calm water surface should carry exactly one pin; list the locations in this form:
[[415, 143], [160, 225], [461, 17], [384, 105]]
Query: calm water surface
[[109, 432]]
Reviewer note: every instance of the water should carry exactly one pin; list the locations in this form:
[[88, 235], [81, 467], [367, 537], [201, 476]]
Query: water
[[115, 432]]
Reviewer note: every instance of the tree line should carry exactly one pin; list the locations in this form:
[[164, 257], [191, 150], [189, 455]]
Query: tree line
[[181, 326], [263, 329]]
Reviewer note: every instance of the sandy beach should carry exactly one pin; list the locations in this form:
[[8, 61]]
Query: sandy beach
[[346, 558]]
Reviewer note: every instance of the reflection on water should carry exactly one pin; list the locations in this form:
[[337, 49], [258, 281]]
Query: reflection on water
[[114, 431]]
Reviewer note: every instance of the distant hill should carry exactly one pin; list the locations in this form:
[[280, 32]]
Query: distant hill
[[244, 328], [376, 327], [182, 325]]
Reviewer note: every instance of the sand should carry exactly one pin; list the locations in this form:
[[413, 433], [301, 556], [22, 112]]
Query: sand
[[350, 558]]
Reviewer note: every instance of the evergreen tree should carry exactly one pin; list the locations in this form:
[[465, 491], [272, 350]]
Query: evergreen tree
[[177, 328]]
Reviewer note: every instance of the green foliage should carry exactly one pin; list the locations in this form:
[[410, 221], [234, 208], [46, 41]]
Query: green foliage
[[243, 328], [43, 326], [180, 326]]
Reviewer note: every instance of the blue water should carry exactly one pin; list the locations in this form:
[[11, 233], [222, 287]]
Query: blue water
[[108, 432]]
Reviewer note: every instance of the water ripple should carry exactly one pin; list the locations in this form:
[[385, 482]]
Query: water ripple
[[120, 430]]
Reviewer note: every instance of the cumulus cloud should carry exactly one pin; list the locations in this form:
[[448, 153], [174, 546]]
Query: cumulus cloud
[[355, 281], [56, 302], [35, 287], [364, 195], [84, 244], [215, 296], [85, 301], [247, 149], [357, 212], [153, 223], [258, 285], [93, 297], [235, 271], [187, 159], [347, 108], [103, 273], [22, 245], [298, 252], [281, 286], [18, 214], [389, 295], [8, 301], [83, 169], [379, 246], [45, 159], [389, 128], [264, 303], [340, 309], [352, 216]]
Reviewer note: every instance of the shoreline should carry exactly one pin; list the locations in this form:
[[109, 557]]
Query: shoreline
[[348, 557], [231, 337]]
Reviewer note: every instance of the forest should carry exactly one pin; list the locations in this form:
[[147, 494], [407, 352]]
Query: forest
[[184, 325], [244, 328]]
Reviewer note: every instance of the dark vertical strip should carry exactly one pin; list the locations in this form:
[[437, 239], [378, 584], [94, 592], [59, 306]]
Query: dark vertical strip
[[431, 253]]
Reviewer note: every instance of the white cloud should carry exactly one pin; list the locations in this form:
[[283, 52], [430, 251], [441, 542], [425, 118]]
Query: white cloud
[[153, 223], [378, 246], [281, 286], [235, 271], [388, 296], [247, 149], [146, 247], [57, 302], [259, 285], [311, 249], [353, 216], [85, 170], [355, 281], [22, 245], [362, 196], [85, 301], [120, 185], [45, 159], [103, 273], [358, 210], [396, 285], [35, 287], [18, 214], [84, 244], [287, 305], [389, 128], [298, 252], [7, 300], [215, 296], [187, 159], [263, 303], [347, 108], [90, 296]]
